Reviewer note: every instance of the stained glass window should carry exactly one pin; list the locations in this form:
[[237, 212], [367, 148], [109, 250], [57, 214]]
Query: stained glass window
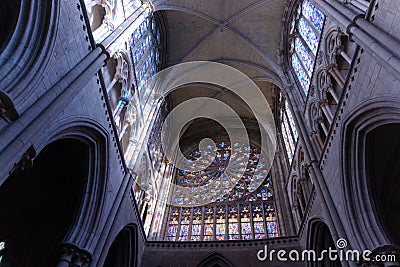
[[245, 223], [185, 221], [306, 59], [305, 30], [312, 14], [231, 217], [258, 221], [173, 225], [309, 35], [271, 220], [220, 224], [196, 225], [145, 48], [209, 224], [233, 223], [300, 73], [289, 130]]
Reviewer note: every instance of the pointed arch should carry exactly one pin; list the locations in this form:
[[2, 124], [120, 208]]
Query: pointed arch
[[369, 228], [124, 250], [215, 260]]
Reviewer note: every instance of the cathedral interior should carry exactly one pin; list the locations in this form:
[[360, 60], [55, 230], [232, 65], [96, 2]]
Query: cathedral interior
[[199, 133]]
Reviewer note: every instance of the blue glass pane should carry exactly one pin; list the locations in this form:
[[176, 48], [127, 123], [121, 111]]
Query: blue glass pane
[[311, 13], [291, 121], [287, 141], [145, 49], [308, 35], [306, 59], [292, 141], [300, 73]]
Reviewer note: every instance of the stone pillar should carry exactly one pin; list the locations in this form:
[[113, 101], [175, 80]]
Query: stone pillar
[[360, 4], [344, 55], [335, 73], [304, 188], [111, 85], [321, 122], [327, 111]]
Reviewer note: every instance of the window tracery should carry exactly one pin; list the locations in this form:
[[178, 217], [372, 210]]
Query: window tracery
[[239, 215]]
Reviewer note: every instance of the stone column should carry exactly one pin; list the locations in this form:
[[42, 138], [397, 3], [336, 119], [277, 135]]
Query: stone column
[[327, 111], [344, 55], [381, 45], [335, 73], [304, 188], [360, 4]]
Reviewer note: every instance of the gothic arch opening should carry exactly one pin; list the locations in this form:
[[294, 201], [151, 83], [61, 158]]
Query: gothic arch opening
[[39, 204], [383, 171], [9, 13], [215, 260], [320, 239], [123, 250]]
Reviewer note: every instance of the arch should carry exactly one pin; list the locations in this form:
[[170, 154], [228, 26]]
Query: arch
[[215, 260], [368, 227], [52, 189], [319, 238], [124, 250], [270, 76], [332, 45], [383, 169], [82, 232], [21, 64]]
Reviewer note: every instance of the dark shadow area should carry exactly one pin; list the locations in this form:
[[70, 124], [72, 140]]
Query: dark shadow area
[[38, 205], [9, 13], [123, 250], [383, 166]]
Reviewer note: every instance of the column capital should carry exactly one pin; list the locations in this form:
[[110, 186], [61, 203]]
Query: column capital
[[74, 256]]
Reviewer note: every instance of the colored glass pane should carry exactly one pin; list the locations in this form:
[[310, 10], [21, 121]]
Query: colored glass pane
[[287, 143], [292, 142], [272, 229], [311, 13], [305, 57], [258, 221], [309, 35], [291, 121], [233, 228], [245, 223], [171, 234], [300, 73], [145, 49]]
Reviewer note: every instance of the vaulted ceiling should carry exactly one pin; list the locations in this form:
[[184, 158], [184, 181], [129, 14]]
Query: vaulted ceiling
[[243, 34]]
